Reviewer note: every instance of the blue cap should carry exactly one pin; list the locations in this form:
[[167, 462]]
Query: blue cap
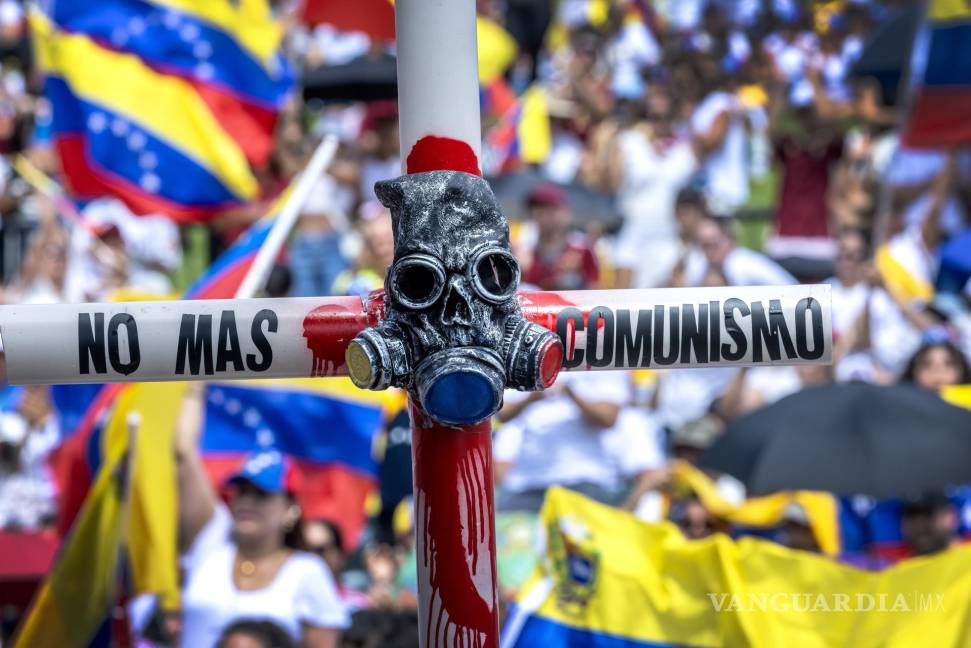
[[268, 470]]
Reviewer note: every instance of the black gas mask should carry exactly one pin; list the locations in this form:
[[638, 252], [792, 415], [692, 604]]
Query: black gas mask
[[453, 333]]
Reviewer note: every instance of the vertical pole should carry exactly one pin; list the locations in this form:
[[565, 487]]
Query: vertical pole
[[438, 98], [456, 533]]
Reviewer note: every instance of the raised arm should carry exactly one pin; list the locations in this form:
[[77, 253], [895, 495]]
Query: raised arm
[[197, 501]]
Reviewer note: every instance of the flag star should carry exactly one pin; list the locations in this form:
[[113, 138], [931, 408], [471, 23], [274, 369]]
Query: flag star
[[202, 50], [152, 183], [147, 160], [205, 71], [265, 438], [119, 126], [137, 141], [137, 26], [217, 396], [119, 36], [251, 417], [189, 32], [233, 406], [171, 19], [97, 122]]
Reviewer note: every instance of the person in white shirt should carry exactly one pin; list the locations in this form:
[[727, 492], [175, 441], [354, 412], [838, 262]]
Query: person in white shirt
[[242, 560], [27, 435], [740, 266], [571, 435], [718, 126], [655, 169], [849, 285]]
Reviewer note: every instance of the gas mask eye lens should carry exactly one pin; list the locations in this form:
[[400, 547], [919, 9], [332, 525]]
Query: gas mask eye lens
[[417, 281], [495, 275]]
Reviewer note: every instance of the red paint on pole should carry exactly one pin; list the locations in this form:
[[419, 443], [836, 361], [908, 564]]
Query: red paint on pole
[[455, 527], [433, 153], [328, 330]]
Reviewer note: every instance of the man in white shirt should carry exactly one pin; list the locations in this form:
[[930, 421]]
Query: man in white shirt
[[739, 266], [571, 435]]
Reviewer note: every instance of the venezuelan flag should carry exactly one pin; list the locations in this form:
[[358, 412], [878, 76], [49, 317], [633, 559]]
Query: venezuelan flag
[[226, 274], [940, 102], [163, 106], [522, 136], [75, 599], [327, 426], [612, 581]]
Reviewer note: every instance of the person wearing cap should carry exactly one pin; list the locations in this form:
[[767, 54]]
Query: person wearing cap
[[928, 523], [562, 259], [242, 561]]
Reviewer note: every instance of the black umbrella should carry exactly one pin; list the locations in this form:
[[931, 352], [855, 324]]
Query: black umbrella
[[587, 205], [368, 78], [849, 439], [886, 53]]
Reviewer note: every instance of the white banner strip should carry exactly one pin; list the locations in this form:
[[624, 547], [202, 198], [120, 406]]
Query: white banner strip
[[300, 337]]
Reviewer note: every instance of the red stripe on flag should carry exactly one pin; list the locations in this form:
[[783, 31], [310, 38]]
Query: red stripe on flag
[[251, 126], [225, 285], [939, 117], [68, 462], [373, 17], [86, 181]]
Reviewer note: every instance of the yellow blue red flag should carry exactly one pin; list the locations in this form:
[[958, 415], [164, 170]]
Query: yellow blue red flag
[[610, 580], [166, 104], [940, 76], [74, 601]]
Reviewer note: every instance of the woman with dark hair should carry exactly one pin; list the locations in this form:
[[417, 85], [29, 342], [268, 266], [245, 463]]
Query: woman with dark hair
[[255, 634], [243, 560], [937, 364]]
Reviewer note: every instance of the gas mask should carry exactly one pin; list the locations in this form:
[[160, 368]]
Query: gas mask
[[453, 332]]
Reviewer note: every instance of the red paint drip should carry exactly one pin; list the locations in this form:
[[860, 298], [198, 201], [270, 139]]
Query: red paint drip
[[327, 334], [455, 521], [433, 153]]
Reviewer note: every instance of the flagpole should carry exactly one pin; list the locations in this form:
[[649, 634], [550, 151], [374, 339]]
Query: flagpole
[[263, 263]]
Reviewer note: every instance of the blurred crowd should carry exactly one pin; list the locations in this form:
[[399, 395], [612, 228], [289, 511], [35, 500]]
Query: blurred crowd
[[732, 146]]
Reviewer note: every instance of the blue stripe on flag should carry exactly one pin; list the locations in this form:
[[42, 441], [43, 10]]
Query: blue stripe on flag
[[180, 43], [949, 59], [306, 424], [539, 631], [117, 144]]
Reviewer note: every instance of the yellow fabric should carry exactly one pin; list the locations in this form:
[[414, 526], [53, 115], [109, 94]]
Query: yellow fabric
[[81, 588], [497, 50], [535, 137], [165, 105], [151, 529], [949, 10], [959, 395], [821, 508], [608, 573], [899, 281]]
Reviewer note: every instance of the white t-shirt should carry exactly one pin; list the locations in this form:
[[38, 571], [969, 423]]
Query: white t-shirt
[[653, 175], [848, 303], [745, 267], [302, 592], [550, 443], [726, 169]]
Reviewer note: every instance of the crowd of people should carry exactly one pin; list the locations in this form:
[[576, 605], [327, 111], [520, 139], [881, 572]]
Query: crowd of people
[[734, 147]]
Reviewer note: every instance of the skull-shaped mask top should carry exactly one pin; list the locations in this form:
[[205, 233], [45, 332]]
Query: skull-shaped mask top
[[453, 331]]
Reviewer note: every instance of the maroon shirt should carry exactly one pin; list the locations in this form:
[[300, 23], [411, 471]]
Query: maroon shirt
[[802, 207], [573, 267]]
